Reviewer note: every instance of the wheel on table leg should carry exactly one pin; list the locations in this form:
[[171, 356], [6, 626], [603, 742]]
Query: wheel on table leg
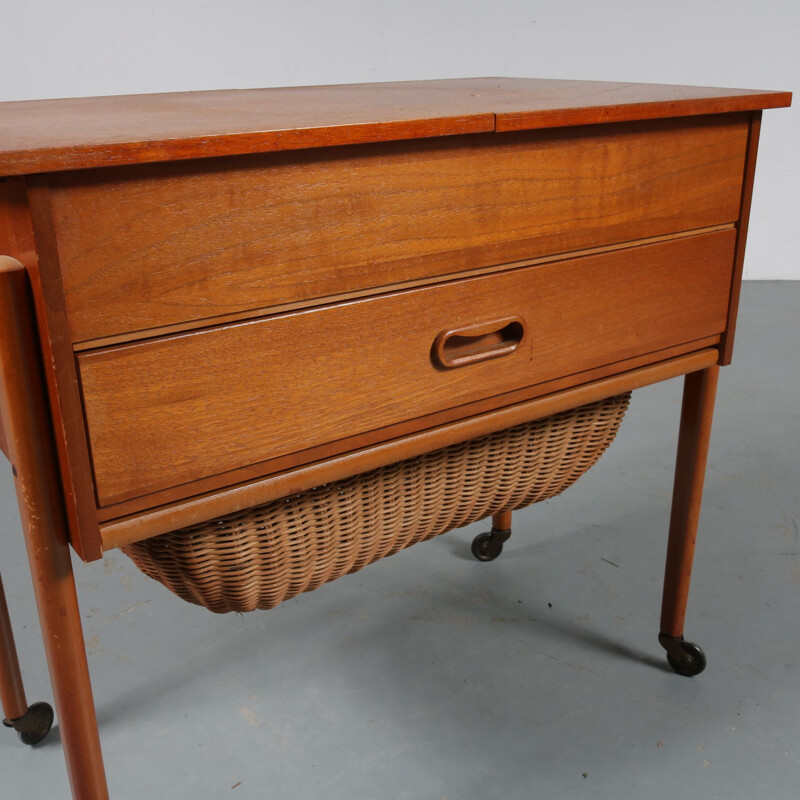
[[487, 546], [686, 658], [34, 724]]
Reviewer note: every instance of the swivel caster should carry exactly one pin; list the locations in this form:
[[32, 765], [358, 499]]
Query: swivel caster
[[487, 546], [34, 724], [686, 658]]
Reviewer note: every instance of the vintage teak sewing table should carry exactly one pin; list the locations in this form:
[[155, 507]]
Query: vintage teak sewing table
[[261, 338]]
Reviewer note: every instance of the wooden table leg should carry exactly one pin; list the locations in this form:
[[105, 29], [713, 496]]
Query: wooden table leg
[[699, 392], [26, 419], [502, 521], [12, 692], [32, 723]]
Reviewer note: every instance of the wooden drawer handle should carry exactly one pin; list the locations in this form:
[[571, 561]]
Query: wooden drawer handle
[[461, 346]]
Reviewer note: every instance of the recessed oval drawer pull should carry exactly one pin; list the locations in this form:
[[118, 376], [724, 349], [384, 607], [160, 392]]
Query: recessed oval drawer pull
[[458, 347]]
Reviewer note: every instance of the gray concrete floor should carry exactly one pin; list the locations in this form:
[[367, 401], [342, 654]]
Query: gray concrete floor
[[432, 676]]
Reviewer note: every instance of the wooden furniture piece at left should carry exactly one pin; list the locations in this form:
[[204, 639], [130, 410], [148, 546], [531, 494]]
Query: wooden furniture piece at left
[[183, 277]]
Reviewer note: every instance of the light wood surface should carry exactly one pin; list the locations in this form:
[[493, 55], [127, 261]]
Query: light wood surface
[[158, 245], [50, 135], [314, 302], [192, 405]]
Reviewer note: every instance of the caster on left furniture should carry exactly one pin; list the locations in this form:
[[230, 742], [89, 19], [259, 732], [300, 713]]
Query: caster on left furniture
[[487, 546], [34, 724], [686, 658]]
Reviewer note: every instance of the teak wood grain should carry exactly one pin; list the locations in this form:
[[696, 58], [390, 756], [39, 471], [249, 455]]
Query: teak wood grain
[[152, 246], [26, 234], [52, 135], [401, 431], [196, 404], [333, 279], [236, 497], [429, 280], [726, 351]]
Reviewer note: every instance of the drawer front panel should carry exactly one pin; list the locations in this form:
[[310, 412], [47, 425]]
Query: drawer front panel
[[146, 247], [169, 411]]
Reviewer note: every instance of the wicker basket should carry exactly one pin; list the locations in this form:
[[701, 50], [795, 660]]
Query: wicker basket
[[261, 556]]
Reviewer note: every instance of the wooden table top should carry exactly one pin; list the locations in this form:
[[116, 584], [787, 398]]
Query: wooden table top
[[53, 135]]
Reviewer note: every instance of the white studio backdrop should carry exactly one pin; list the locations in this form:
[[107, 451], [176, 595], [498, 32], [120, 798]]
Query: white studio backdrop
[[90, 47]]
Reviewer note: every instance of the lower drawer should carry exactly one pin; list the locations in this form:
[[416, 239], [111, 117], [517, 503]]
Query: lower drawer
[[173, 410]]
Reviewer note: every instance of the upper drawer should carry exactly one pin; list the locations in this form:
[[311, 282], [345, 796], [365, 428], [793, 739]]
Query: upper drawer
[[145, 247], [165, 412]]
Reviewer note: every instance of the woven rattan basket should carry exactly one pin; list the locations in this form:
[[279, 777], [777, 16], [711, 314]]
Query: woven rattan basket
[[261, 556]]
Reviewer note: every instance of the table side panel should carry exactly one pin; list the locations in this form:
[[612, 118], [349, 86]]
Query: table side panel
[[26, 234], [726, 350], [144, 247], [176, 409], [9, 246]]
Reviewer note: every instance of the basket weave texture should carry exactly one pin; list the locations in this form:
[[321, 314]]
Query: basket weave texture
[[264, 555]]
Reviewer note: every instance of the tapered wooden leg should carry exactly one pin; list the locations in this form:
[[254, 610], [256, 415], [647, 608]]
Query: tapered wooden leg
[[26, 420], [502, 521], [32, 723], [699, 392], [12, 692]]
